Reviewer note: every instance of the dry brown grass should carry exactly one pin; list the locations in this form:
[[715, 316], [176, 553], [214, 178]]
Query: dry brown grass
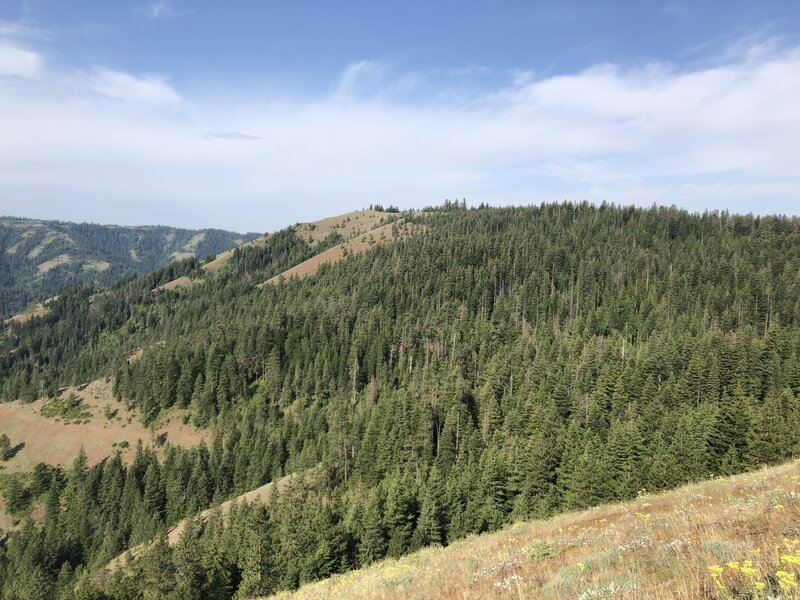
[[48, 238], [361, 242], [180, 282], [61, 259], [656, 547], [348, 225], [96, 265], [53, 441], [32, 228], [224, 257], [38, 310], [189, 247]]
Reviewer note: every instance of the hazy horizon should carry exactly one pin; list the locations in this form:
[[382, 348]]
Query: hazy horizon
[[196, 115], [322, 215]]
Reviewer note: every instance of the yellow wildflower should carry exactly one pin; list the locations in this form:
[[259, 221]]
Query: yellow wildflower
[[786, 580], [715, 570], [790, 560], [748, 570], [581, 567]]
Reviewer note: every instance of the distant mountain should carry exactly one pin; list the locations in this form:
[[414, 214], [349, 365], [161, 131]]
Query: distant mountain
[[40, 258]]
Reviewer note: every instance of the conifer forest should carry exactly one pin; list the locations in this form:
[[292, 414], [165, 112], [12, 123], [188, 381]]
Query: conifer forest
[[495, 366]]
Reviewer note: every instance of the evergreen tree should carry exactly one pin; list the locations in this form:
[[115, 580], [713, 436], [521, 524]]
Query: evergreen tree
[[373, 533]]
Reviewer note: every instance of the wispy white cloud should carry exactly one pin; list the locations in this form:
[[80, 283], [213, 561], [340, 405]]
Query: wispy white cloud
[[161, 9], [17, 29], [130, 88], [716, 135]]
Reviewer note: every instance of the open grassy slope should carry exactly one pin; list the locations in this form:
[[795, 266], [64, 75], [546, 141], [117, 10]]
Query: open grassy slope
[[46, 431], [359, 229], [726, 538], [101, 427], [355, 244]]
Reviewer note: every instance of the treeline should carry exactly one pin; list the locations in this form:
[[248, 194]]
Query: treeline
[[504, 364]]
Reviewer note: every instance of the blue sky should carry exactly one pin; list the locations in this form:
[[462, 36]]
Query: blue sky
[[253, 115]]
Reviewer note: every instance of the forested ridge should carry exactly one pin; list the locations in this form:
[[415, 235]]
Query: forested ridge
[[38, 258], [501, 364]]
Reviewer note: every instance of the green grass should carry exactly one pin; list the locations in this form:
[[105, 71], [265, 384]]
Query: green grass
[[71, 408]]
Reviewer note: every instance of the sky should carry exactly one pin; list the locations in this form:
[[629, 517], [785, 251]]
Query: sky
[[252, 115]]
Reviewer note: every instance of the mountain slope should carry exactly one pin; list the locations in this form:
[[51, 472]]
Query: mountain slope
[[173, 536], [694, 542], [38, 258], [496, 366], [316, 236]]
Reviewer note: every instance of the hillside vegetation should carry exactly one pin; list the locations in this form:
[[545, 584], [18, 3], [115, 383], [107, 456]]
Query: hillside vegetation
[[727, 538], [492, 366], [40, 258]]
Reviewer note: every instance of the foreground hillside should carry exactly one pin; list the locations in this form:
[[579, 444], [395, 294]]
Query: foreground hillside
[[448, 371], [728, 538], [39, 258]]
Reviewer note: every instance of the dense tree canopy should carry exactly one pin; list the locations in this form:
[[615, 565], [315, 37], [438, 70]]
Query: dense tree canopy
[[502, 364]]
